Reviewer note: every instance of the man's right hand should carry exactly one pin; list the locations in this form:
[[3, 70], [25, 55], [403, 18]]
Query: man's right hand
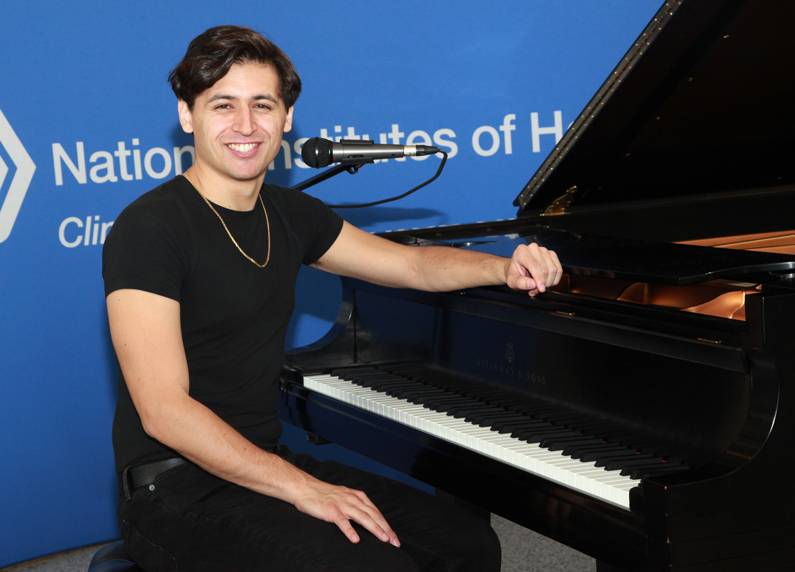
[[340, 505]]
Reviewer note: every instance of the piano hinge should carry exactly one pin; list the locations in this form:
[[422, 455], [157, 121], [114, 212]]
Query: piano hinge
[[559, 205]]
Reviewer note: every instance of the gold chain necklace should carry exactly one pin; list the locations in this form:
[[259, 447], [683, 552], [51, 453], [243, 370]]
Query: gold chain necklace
[[267, 223]]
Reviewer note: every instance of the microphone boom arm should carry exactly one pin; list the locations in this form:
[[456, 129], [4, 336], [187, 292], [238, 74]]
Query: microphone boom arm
[[350, 165]]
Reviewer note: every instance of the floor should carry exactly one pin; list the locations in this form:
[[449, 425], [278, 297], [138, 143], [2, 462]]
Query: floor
[[523, 551]]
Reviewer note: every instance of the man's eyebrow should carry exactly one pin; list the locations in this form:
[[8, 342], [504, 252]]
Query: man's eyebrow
[[218, 96], [266, 96]]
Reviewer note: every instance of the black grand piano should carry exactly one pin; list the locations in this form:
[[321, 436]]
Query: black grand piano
[[643, 412]]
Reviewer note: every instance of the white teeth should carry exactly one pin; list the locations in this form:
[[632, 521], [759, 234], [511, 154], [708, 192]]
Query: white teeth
[[243, 148]]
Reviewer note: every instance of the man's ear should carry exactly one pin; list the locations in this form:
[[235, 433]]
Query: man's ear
[[288, 122], [185, 116]]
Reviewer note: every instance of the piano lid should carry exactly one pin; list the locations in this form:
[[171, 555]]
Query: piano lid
[[701, 104]]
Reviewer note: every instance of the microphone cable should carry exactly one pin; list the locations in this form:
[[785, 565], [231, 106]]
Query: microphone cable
[[407, 193]]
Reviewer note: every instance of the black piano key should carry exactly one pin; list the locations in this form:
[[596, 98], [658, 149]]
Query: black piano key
[[466, 412], [547, 413], [422, 395], [536, 435], [523, 406], [496, 414], [422, 388], [579, 451], [409, 370], [529, 422], [637, 464], [370, 374], [423, 399], [377, 381], [598, 443], [616, 463], [516, 428], [489, 420], [645, 473], [339, 371], [350, 374], [675, 459], [513, 419], [397, 389], [545, 442], [427, 401], [392, 391], [603, 457], [384, 385], [509, 428], [433, 400], [561, 443], [413, 393], [597, 428], [445, 405], [492, 396], [469, 395], [620, 437], [474, 407], [566, 419], [640, 463], [660, 451]]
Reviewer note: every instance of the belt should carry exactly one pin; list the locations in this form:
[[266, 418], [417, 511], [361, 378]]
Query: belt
[[144, 475]]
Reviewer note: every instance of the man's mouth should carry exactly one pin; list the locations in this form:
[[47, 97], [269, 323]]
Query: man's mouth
[[242, 147]]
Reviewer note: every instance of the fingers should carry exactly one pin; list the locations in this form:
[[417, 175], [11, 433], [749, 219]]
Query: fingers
[[370, 518], [340, 505], [534, 268], [557, 266]]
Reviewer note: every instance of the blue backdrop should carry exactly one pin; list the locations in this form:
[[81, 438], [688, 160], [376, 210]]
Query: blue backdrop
[[88, 123]]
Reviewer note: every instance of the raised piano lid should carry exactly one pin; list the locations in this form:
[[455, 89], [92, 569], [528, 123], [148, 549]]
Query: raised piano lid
[[692, 135]]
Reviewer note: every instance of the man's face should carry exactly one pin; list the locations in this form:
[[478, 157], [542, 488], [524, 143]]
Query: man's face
[[237, 124]]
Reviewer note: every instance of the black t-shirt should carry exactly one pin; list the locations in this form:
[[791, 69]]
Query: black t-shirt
[[234, 315]]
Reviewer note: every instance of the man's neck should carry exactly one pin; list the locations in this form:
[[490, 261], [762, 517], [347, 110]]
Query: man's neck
[[228, 193]]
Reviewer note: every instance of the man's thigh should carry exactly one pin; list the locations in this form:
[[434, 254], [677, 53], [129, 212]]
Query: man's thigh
[[437, 534], [195, 521]]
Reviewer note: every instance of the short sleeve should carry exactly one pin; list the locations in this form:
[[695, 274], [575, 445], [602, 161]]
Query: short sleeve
[[147, 249], [315, 224]]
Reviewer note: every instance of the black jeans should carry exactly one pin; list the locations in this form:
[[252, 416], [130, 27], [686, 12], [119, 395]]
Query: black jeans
[[194, 522]]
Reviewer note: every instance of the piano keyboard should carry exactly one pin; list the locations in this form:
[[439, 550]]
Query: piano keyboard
[[580, 475]]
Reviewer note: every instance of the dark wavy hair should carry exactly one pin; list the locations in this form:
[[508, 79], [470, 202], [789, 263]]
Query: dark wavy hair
[[211, 55]]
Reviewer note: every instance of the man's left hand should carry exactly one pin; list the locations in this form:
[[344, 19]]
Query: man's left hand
[[532, 268]]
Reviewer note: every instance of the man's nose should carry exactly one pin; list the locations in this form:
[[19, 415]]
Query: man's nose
[[244, 123]]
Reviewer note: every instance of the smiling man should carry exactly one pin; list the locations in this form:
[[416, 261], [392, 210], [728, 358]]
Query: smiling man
[[199, 279]]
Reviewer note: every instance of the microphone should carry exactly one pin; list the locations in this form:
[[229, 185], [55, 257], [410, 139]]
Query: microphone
[[318, 152]]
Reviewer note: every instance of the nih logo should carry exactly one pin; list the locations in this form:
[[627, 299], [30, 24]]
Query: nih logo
[[21, 180]]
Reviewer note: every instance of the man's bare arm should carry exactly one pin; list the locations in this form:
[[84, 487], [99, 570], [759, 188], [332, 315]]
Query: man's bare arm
[[362, 255], [146, 334]]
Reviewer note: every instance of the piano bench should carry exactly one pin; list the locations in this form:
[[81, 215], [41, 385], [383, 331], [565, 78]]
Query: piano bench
[[112, 558]]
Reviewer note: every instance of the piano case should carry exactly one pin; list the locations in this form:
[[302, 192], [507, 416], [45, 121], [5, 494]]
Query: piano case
[[643, 411]]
